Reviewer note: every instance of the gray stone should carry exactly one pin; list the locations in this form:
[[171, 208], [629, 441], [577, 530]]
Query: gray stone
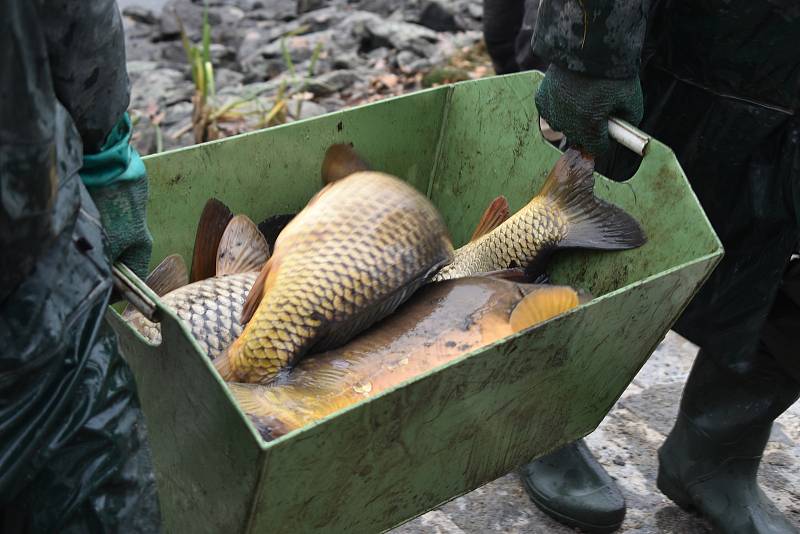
[[475, 11], [381, 7], [311, 109], [189, 14], [332, 82], [160, 86], [140, 14], [221, 54], [401, 36], [439, 18], [304, 6], [180, 113], [228, 78]]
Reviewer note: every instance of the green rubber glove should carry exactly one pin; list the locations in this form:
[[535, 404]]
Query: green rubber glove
[[117, 181], [579, 106]]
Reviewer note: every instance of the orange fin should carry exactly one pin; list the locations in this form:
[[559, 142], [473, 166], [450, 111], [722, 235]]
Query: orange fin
[[495, 215], [341, 160], [242, 248], [212, 224], [257, 292], [542, 304]]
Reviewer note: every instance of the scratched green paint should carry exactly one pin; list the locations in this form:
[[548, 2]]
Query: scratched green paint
[[382, 462]]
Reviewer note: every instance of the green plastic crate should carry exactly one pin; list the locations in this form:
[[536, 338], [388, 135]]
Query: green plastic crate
[[388, 459]]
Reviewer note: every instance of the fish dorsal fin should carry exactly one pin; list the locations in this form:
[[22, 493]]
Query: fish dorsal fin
[[340, 161], [168, 276], [542, 304], [257, 291], [242, 248], [495, 215], [212, 224]]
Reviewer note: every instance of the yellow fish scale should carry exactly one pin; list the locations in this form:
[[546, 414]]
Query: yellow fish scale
[[359, 242], [518, 241]]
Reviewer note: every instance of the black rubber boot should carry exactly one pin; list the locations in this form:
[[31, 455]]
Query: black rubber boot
[[570, 486], [709, 462]]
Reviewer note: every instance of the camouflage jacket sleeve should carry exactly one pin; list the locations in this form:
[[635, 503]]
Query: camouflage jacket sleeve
[[601, 38], [86, 49], [37, 145]]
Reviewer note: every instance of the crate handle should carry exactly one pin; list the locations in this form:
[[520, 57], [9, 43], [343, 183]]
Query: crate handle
[[620, 131], [125, 283]]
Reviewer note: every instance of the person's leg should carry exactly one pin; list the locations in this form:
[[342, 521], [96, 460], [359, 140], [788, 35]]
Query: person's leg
[[710, 459]]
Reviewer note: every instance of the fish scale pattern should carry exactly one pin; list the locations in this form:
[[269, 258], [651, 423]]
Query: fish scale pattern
[[358, 250], [519, 241], [211, 308]]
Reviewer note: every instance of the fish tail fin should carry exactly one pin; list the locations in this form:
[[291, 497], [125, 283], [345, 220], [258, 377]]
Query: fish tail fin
[[341, 160], [213, 222], [494, 216], [591, 222], [541, 304], [242, 248]]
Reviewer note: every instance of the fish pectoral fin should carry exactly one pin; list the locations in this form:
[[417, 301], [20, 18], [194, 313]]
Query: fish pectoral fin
[[168, 276], [495, 215], [341, 160], [256, 293], [542, 304], [242, 248], [591, 222], [268, 418], [213, 222], [249, 398]]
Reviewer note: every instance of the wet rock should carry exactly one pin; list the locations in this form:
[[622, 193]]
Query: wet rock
[[399, 35], [332, 82], [475, 11], [304, 6], [438, 18], [311, 109], [160, 86], [381, 7], [221, 54], [228, 78], [140, 14], [189, 14]]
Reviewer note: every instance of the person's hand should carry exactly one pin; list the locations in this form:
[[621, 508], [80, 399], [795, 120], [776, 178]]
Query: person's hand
[[579, 106], [117, 181], [122, 211]]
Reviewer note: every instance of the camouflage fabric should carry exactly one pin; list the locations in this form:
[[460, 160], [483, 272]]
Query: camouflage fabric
[[73, 456], [601, 38]]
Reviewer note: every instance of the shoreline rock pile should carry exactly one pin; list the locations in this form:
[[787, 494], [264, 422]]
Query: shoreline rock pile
[[276, 61]]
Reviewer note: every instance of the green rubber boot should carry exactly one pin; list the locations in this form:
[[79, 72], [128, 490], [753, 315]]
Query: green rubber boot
[[570, 486], [709, 462]]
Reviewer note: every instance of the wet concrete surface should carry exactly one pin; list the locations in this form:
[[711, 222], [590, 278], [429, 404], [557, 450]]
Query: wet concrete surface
[[626, 444]]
